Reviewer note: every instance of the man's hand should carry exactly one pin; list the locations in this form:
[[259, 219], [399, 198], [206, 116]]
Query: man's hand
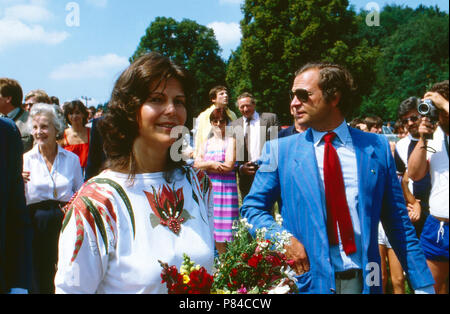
[[414, 210], [296, 252], [439, 101], [426, 127], [248, 169]]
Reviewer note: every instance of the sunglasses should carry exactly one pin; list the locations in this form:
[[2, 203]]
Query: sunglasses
[[301, 94], [412, 119]]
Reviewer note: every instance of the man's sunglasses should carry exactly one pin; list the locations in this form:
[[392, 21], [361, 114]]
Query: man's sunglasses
[[301, 94], [412, 119]]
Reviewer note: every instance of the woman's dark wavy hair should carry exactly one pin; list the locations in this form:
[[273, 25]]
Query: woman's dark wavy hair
[[71, 106], [119, 126]]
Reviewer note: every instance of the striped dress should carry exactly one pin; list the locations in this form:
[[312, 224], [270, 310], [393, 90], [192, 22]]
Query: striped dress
[[226, 203]]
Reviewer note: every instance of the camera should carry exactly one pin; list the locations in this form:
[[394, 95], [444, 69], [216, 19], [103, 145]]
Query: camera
[[427, 109]]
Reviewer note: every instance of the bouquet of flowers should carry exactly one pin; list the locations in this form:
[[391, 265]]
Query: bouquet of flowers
[[250, 266], [254, 265], [190, 280]]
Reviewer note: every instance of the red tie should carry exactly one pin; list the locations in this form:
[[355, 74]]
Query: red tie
[[337, 207]]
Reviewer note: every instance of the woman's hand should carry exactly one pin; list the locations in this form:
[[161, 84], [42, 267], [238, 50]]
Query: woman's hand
[[26, 176], [218, 167]]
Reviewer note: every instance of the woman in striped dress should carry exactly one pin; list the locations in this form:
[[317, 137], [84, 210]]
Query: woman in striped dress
[[218, 159]]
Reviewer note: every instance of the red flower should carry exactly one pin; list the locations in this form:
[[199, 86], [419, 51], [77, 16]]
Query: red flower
[[273, 260], [234, 272], [290, 262], [254, 261], [200, 281]]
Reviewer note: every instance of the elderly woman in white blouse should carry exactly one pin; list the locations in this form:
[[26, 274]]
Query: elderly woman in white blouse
[[52, 175]]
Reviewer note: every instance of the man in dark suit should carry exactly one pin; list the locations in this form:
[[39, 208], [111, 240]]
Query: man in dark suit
[[336, 184], [257, 129], [15, 222]]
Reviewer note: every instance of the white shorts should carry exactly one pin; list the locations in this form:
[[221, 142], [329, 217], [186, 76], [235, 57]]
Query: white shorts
[[382, 238]]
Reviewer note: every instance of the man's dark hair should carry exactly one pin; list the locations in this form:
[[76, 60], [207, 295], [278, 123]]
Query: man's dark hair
[[54, 100], [407, 105], [11, 88], [373, 121], [334, 80], [215, 90], [441, 88]]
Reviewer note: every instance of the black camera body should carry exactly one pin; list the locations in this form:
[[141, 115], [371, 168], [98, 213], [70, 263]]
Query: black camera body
[[427, 109]]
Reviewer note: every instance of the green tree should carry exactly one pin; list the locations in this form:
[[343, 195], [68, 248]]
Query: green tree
[[281, 36], [190, 45], [414, 55]]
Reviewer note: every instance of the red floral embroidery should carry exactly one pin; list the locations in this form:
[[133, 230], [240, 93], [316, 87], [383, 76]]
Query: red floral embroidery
[[167, 205]]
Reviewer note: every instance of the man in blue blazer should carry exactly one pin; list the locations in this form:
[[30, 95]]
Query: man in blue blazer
[[15, 222], [293, 169]]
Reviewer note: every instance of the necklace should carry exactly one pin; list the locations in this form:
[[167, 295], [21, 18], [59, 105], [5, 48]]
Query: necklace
[[55, 173]]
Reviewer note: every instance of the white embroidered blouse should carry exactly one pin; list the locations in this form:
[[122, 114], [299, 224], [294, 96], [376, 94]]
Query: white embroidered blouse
[[114, 234]]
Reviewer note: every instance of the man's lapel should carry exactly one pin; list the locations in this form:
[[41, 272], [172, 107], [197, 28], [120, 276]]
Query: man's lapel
[[307, 177], [367, 179]]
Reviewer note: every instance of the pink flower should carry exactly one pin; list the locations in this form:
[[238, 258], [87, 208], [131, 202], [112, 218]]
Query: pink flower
[[242, 290]]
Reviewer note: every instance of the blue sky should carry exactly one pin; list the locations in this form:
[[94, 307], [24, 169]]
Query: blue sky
[[78, 48]]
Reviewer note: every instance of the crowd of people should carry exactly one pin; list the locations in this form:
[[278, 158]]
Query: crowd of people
[[90, 201]]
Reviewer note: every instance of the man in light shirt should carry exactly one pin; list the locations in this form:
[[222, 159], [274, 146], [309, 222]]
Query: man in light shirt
[[335, 183], [202, 127], [431, 156]]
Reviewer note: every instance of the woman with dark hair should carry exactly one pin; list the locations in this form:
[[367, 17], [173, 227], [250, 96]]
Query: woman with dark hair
[[218, 158], [76, 138], [144, 207]]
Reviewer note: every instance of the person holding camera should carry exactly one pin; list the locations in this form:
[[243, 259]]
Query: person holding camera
[[432, 156]]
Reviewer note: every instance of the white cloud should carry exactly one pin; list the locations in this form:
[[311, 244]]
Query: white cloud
[[15, 32], [22, 22], [95, 67], [27, 13], [226, 33], [98, 3]]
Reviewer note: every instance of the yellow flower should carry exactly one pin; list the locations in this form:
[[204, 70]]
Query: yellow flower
[[186, 279], [220, 291]]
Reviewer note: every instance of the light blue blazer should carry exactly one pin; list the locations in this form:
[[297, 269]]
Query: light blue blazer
[[289, 172]]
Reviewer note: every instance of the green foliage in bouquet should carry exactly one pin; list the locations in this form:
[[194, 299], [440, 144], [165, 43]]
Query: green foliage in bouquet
[[254, 265]]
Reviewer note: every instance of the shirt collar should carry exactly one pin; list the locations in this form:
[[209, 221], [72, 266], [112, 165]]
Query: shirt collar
[[342, 133], [35, 150], [13, 113], [255, 117]]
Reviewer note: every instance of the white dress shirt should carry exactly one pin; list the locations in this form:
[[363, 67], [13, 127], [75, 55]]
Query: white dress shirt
[[63, 180], [255, 137]]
